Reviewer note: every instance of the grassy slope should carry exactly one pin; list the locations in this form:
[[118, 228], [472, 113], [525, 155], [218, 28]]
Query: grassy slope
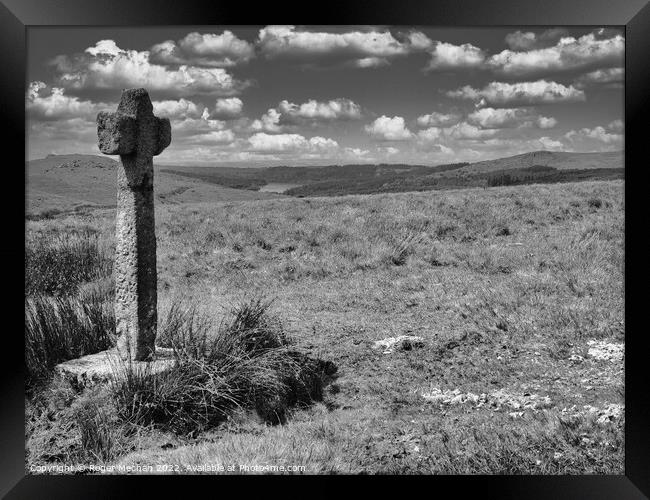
[[63, 182], [505, 285]]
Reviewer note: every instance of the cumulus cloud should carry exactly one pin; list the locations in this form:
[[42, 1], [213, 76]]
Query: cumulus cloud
[[449, 56], [389, 129], [214, 137], [528, 40], [464, 130], [281, 143], [208, 49], [436, 119], [230, 107], [551, 144], [269, 122], [362, 49], [519, 93], [616, 126], [608, 76], [598, 138], [498, 118], [176, 109], [336, 109], [569, 54], [107, 66], [58, 106]]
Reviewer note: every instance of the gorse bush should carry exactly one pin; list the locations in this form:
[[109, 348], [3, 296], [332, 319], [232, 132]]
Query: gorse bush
[[57, 264], [246, 364], [62, 328]]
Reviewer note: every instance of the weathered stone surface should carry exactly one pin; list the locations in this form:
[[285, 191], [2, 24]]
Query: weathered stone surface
[[109, 365], [136, 135]]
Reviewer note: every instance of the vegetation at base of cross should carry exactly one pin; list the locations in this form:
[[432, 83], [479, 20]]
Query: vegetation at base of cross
[[68, 300], [246, 364]]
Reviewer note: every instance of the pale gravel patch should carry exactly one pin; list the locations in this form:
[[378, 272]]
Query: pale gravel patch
[[607, 414], [605, 351], [496, 400], [389, 344]]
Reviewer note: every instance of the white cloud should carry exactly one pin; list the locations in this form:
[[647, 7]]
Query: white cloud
[[106, 66], [616, 126], [528, 40], [280, 143], [551, 144], [336, 109], [230, 107], [356, 151], [179, 109], [269, 122], [209, 49], [214, 137], [389, 129], [436, 119], [449, 56], [498, 118], [569, 54], [500, 93], [601, 76], [465, 130], [595, 139], [545, 122], [430, 134], [390, 150], [57, 105], [362, 49]]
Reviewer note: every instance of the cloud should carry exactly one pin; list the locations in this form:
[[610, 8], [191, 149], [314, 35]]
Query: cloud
[[361, 49], [336, 109], [569, 54], [616, 126], [498, 118], [215, 137], [282, 143], [356, 151], [436, 119], [449, 56], [465, 130], [106, 66], [520, 93], [176, 109], [528, 40], [209, 49], [597, 137], [57, 105], [551, 144], [609, 76], [269, 122], [230, 107], [389, 129]]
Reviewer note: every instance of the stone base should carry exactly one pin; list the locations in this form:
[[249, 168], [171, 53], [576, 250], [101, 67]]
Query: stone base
[[104, 366]]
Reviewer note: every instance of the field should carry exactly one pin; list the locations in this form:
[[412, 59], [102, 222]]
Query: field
[[509, 300]]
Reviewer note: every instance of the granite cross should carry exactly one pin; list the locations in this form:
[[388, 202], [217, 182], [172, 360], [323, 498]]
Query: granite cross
[[134, 133]]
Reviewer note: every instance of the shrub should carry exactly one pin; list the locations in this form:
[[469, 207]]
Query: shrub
[[57, 264], [62, 328], [247, 364]]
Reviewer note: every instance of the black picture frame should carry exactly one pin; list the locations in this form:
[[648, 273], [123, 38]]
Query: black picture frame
[[16, 16]]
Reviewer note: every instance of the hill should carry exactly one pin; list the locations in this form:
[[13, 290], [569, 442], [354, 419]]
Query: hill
[[80, 182], [557, 160]]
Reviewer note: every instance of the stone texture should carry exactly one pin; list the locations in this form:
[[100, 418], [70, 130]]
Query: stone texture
[[136, 135], [109, 365]]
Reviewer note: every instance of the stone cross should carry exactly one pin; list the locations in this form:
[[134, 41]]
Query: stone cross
[[134, 133]]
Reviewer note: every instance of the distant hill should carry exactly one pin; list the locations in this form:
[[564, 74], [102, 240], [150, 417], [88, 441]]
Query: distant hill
[[558, 160], [63, 182], [68, 182]]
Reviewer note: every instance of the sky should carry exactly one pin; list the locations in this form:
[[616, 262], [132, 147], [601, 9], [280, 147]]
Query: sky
[[322, 95]]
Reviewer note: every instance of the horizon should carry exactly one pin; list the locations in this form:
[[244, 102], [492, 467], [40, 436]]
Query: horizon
[[315, 96]]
